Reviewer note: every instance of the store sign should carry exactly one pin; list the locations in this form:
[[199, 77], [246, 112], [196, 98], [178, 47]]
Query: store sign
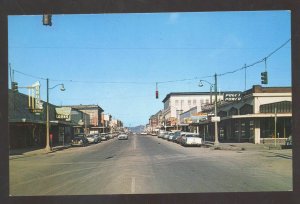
[[232, 96], [35, 105], [63, 113], [187, 120], [199, 117]]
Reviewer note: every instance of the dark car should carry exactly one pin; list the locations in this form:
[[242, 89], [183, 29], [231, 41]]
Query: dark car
[[79, 140]]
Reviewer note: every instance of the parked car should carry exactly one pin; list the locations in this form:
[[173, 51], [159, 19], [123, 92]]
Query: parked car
[[176, 135], [93, 138], [97, 137], [180, 137], [161, 134], [103, 136], [154, 134], [191, 139], [122, 137], [170, 136], [110, 135], [79, 140], [166, 135]]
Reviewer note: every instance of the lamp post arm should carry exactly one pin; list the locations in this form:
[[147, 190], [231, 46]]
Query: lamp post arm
[[53, 86], [208, 82]]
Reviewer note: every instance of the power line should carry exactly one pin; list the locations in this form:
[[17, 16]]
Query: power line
[[257, 62], [79, 81], [29, 75]]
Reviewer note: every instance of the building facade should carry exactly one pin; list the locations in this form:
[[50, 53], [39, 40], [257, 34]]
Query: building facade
[[95, 117], [259, 115], [176, 103], [28, 128]]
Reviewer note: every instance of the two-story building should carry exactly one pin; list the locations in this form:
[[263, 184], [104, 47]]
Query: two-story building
[[176, 103], [95, 117]]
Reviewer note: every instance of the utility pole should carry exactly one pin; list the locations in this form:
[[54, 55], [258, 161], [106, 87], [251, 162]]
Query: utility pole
[[216, 122], [48, 148]]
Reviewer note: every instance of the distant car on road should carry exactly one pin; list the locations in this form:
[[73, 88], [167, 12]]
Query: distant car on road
[[122, 137], [143, 133], [79, 140]]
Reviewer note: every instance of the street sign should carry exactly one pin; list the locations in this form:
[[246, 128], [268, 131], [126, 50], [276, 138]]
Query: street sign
[[215, 119]]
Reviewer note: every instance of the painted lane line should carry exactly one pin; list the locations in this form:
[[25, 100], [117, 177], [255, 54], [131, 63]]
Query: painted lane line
[[132, 184]]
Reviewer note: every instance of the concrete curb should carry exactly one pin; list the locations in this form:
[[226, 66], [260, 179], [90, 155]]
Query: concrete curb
[[39, 152]]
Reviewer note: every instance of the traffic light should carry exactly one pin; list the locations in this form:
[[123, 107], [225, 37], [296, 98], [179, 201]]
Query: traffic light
[[156, 94], [47, 19], [14, 86], [264, 77]]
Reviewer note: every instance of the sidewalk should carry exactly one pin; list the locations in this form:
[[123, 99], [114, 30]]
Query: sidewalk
[[32, 151], [241, 146]]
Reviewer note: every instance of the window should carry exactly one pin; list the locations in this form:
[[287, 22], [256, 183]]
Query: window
[[281, 107], [194, 102], [176, 102], [189, 102]]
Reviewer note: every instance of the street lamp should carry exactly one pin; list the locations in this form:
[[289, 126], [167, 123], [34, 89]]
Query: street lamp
[[215, 104], [48, 148]]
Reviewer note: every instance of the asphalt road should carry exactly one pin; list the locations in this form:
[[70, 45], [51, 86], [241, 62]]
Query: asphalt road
[[146, 164]]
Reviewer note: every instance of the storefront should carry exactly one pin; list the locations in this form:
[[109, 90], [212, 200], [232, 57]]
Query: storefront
[[263, 115]]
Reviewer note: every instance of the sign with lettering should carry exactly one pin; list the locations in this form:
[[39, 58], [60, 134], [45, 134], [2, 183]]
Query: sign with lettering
[[232, 96], [199, 117], [63, 113]]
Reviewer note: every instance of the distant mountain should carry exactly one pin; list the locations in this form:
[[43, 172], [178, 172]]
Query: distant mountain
[[139, 128]]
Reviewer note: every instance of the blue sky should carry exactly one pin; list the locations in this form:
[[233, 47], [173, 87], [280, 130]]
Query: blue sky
[[114, 60]]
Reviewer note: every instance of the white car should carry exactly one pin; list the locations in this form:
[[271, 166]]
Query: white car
[[122, 137], [191, 139], [92, 139]]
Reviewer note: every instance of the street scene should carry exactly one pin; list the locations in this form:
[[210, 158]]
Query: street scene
[[156, 103], [147, 164]]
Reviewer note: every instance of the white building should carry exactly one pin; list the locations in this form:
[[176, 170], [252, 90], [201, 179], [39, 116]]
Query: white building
[[176, 103]]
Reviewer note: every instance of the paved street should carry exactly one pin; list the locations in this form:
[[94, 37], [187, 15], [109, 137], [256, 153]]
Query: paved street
[[145, 164]]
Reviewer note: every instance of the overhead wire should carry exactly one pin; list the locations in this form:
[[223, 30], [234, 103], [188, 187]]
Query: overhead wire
[[161, 82]]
